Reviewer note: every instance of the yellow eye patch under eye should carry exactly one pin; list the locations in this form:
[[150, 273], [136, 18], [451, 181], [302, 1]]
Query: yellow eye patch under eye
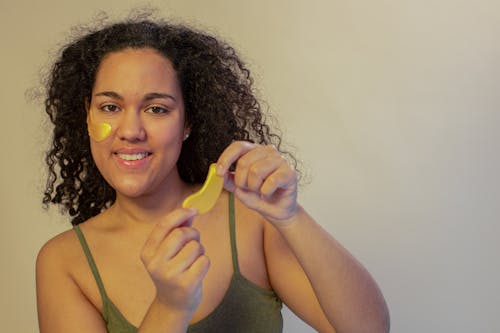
[[207, 196], [98, 131]]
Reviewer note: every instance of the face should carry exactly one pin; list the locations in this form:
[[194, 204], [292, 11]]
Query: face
[[137, 93]]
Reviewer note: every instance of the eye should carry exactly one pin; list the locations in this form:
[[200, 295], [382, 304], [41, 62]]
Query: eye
[[110, 108], [155, 109]]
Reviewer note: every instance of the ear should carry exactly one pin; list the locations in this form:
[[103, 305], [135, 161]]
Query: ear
[[187, 131]]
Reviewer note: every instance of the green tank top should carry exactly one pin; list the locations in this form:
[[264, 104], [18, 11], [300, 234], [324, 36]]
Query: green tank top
[[245, 308]]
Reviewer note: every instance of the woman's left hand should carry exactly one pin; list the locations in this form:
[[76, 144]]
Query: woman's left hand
[[263, 180]]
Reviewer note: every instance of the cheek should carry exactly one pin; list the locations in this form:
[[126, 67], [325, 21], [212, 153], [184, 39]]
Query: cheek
[[167, 135], [98, 155]]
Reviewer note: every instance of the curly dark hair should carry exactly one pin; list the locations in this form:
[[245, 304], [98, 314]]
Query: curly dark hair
[[219, 102]]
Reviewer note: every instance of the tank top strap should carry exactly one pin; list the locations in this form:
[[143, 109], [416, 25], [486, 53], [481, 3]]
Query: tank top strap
[[91, 262], [232, 234]]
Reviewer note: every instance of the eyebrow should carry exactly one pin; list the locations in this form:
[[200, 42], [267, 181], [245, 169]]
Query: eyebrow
[[147, 97]]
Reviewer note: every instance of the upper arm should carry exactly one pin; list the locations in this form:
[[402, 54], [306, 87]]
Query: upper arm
[[290, 282], [62, 307]]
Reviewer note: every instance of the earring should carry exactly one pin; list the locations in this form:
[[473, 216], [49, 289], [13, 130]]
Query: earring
[[185, 137]]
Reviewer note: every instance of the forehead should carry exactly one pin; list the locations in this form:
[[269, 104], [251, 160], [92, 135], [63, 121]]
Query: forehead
[[136, 69]]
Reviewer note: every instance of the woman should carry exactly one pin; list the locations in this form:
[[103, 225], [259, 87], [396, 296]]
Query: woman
[[177, 100]]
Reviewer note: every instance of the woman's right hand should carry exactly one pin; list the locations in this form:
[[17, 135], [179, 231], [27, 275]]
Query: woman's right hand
[[176, 262]]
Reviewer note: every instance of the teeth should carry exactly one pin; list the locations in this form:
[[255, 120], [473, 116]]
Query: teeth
[[133, 157]]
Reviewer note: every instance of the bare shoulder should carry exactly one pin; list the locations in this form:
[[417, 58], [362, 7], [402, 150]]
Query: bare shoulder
[[59, 251], [250, 225], [249, 216], [58, 267], [250, 245], [65, 249], [61, 263]]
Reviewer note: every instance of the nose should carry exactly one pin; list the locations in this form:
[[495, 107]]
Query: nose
[[130, 127]]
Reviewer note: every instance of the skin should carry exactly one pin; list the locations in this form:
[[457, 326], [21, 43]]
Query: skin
[[164, 266]]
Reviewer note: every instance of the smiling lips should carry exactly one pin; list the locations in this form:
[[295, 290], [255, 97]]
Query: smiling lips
[[132, 160], [133, 157]]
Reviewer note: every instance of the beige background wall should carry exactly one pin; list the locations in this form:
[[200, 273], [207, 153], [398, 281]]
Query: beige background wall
[[393, 107]]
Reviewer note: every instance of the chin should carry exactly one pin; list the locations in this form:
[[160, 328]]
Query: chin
[[132, 189]]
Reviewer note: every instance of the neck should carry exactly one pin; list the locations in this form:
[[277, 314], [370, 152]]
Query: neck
[[151, 208]]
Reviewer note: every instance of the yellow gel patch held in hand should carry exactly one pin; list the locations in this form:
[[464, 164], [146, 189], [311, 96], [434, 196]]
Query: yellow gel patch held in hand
[[207, 196]]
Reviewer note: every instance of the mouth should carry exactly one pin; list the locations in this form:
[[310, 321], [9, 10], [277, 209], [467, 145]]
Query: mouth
[[133, 157]]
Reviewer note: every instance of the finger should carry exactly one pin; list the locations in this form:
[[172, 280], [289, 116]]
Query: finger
[[245, 163], [283, 178], [200, 267], [231, 154], [186, 257], [251, 199], [175, 241], [178, 217], [260, 170]]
